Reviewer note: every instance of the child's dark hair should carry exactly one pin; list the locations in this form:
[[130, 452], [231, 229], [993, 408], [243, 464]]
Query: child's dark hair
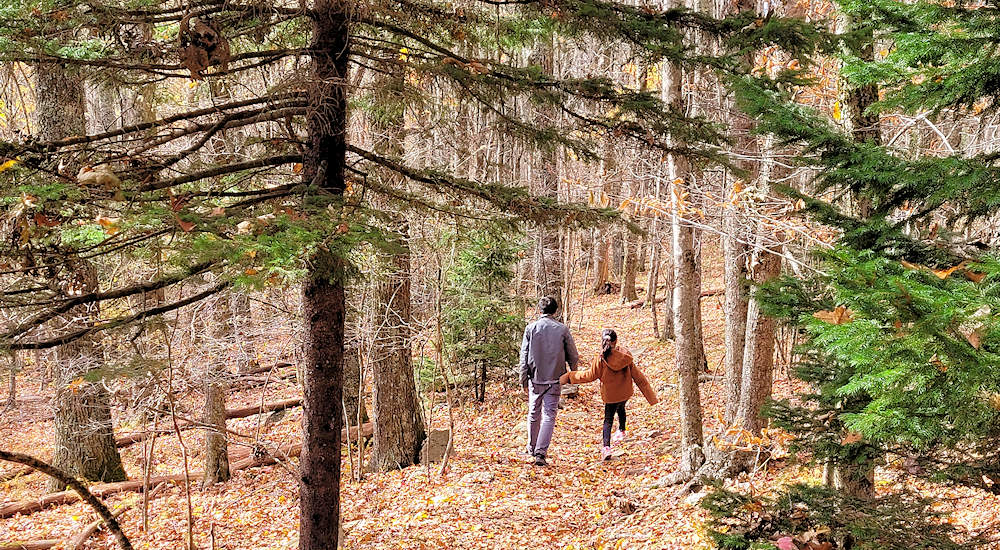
[[548, 305], [608, 340]]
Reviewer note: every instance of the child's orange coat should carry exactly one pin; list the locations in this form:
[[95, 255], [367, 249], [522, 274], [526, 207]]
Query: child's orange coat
[[616, 374]]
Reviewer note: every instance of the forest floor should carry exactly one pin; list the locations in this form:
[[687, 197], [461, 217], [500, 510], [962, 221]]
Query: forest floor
[[488, 498]]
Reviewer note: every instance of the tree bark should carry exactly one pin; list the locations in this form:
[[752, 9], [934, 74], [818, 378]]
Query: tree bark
[[84, 437], [353, 387], [602, 264], [699, 337], [734, 273], [216, 454], [630, 266], [857, 477], [548, 253], [685, 297], [399, 427], [323, 296], [758, 357]]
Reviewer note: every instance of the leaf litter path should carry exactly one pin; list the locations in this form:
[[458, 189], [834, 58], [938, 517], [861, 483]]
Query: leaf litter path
[[489, 498]]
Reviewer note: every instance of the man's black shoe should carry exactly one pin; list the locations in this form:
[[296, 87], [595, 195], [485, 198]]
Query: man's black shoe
[[540, 460]]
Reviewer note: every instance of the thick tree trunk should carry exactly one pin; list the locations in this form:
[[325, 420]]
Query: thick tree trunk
[[84, 438], [685, 298], [399, 427], [323, 296], [216, 445], [857, 477], [602, 264], [758, 357], [216, 455], [734, 274]]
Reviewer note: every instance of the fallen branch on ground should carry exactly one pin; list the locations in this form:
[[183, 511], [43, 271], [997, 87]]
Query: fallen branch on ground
[[242, 412], [704, 294], [253, 460], [81, 492]]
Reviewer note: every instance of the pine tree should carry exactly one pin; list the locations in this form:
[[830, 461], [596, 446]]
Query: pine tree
[[898, 331], [293, 206]]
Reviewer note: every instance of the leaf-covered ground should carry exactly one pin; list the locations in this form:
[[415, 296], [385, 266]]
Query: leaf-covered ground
[[488, 498]]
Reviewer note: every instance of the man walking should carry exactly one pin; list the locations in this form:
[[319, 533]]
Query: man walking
[[546, 349]]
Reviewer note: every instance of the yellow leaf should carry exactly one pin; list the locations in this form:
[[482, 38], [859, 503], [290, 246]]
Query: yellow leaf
[[7, 165], [836, 110]]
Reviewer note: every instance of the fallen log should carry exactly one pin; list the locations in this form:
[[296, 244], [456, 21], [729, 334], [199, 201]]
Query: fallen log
[[34, 545], [267, 407], [242, 412], [704, 294], [262, 370], [136, 485]]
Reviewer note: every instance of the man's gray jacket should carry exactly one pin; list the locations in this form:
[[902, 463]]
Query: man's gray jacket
[[546, 348]]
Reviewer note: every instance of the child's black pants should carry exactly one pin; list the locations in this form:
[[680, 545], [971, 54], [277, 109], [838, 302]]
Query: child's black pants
[[610, 409]]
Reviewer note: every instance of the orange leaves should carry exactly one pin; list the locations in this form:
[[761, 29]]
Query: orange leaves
[[944, 273], [474, 66], [851, 438], [110, 225], [839, 316], [44, 221]]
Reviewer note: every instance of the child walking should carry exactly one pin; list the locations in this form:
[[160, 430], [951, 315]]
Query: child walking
[[617, 371]]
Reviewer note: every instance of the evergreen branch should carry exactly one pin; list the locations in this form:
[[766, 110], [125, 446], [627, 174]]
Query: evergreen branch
[[121, 321], [220, 170], [66, 304]]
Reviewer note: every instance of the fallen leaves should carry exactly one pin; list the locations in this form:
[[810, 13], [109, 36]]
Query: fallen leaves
[[839, 316]]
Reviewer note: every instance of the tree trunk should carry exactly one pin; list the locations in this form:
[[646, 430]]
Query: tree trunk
[[354, 403], [857, 477], [630, 265], [323, 296], [685, 298], [216, 454], [84, 437], [758, 357], [699, 337], [399, 427], [548, 252], [602, 265], [734, 266], [216, 445], [15, 367]]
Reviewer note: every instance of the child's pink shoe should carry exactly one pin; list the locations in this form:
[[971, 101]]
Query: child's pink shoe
[[605, 453], [618, 437]]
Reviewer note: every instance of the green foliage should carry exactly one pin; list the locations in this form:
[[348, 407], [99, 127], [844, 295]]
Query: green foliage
[[482, 320], [810, 514]]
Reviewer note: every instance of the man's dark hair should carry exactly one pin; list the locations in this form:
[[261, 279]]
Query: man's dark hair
[[548, 305]]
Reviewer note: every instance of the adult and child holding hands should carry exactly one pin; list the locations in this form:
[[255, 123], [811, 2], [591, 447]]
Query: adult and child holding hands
[[546, 350]]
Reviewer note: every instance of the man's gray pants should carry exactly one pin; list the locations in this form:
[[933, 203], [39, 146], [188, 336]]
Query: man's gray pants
[[543, 404]]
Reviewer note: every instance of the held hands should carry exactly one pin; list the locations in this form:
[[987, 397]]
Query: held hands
[[564, 379]]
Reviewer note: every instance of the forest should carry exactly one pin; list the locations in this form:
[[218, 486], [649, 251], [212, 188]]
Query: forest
[[546, 274]]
